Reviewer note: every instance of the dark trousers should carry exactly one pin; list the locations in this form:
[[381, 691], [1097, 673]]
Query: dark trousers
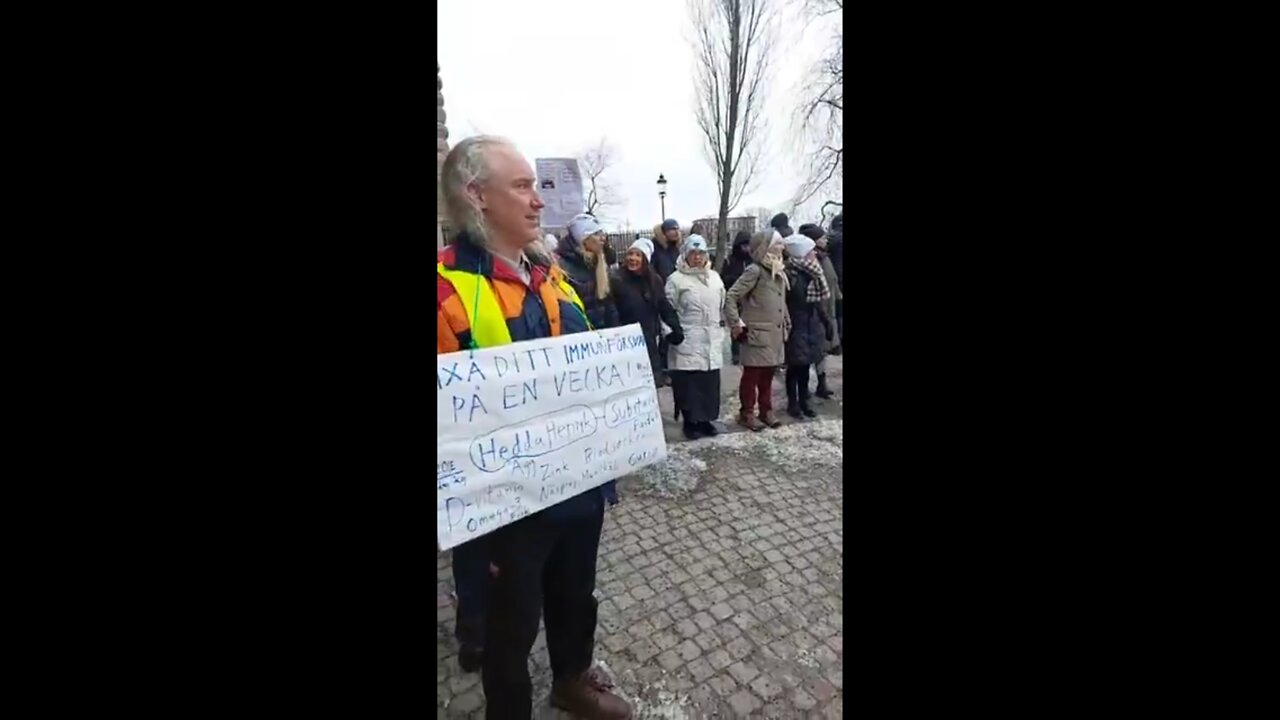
[[798, 384], [662, 357], [546, 568], [757, 382], [696, 394], [471, 581]]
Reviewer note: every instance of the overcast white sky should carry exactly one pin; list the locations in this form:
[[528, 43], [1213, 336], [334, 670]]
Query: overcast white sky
[[555, 76]]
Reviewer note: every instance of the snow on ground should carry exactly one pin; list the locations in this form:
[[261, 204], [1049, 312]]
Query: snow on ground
[[813, 446]]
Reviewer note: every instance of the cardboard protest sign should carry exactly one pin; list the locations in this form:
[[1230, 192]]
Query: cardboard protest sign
[[527, 425]]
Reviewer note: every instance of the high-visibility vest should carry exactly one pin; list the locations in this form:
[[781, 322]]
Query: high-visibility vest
[[488, 325]]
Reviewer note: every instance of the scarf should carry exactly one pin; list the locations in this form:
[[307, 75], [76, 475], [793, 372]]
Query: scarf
[[817, 291], [698, 272], [776, 267]]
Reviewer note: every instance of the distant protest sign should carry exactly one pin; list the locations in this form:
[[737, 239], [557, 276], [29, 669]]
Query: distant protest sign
[[527, 425], [560, 185]]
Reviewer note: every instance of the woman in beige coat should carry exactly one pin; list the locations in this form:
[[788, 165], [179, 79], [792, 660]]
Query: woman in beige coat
[[763, 325]]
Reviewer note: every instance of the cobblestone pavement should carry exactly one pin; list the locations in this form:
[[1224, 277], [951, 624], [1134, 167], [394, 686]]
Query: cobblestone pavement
[[720, 579]]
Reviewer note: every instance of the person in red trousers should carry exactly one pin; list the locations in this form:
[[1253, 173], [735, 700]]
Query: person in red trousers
[[756, 311]]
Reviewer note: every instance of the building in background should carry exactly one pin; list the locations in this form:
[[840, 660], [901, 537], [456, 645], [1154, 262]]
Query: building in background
[[743, 222]]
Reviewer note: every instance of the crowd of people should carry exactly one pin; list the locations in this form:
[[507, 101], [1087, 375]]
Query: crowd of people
[[778, 304], [778, 300]]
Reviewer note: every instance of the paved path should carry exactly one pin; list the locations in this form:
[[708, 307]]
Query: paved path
[[720, 579]]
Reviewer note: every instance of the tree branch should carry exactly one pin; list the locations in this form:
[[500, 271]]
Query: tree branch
[[819, 116], [733, 43], [595, 162]]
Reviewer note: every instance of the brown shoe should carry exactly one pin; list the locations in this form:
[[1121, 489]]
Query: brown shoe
[[750, 422], [769, 419], [588, 696]]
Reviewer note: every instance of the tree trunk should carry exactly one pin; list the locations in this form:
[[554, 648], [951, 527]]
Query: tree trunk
[[726, 173]]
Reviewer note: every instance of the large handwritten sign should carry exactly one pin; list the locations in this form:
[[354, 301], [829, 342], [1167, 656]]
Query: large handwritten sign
[[527, 425]]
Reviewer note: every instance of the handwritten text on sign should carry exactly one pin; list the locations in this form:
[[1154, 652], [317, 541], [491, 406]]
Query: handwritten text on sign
[[527, 425]]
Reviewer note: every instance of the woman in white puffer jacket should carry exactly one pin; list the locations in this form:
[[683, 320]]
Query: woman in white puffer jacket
[[697, 294]]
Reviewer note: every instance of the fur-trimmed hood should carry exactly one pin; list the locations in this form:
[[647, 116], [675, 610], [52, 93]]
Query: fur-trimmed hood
[[660, 239]]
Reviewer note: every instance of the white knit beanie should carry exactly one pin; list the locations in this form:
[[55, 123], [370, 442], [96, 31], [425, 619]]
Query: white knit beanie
[[644, 245], [798, 246]]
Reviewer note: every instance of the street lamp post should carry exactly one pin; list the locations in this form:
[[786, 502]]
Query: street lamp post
[[662, 194]]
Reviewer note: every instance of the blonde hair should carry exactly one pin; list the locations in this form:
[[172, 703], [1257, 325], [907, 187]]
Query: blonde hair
[[602, 273]]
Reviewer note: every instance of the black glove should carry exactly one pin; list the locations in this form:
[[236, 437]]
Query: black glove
[[676, 337], [830, 333]]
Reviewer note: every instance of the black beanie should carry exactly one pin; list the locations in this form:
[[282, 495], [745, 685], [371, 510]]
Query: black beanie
[[811, 231], [779, 221]]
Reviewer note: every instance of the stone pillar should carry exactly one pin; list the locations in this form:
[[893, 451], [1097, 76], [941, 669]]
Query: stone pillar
[[442, 149]]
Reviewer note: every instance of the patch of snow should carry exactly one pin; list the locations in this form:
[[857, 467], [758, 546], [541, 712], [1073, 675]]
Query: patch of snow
[[654, 702], [676, 476], [815, 445], [666, 706]]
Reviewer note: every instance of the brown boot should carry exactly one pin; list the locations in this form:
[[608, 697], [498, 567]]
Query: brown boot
[[588, 696], [749, 421], [769, 419]]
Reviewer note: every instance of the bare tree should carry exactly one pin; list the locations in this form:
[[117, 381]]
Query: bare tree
[[596, 161], [820, 110], [733, 48]]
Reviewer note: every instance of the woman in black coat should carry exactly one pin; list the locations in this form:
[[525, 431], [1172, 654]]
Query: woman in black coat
[[640, 298], [811, 329]]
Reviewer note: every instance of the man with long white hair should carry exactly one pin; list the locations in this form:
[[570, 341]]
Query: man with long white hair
[[496, 285]]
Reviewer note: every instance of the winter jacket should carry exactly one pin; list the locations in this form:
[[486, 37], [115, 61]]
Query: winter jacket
[[525, 310], [698, 299], [739, 259], [807, 343], [640, 301], [833, 282], [601, 313], [763, 301], [665, 254], [540, 310], [835, 248]]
